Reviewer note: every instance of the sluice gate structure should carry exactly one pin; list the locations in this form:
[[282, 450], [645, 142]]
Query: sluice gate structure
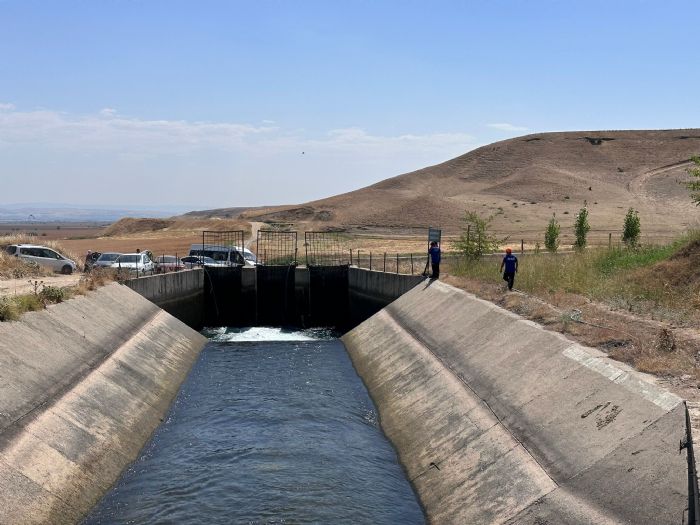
[[495, 419]]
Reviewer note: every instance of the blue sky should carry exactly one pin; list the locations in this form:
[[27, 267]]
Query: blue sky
[[209, 104]]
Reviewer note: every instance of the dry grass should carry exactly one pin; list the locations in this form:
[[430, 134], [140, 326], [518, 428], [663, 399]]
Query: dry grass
[[59, 246], [638, 306]]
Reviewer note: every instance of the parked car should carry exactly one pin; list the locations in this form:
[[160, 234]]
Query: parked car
[[225, 255], [106, 260], [43, 256], [138, 263], [197, 261], [168, 263]]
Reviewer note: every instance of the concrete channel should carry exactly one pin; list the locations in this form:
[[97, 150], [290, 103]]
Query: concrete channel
[[494, 419]]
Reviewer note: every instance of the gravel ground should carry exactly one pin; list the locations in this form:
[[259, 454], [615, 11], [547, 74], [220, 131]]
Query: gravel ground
[[26, 285]]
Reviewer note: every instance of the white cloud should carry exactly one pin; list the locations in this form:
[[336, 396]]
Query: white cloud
[[6, 107], [108, 131], [505, 126]]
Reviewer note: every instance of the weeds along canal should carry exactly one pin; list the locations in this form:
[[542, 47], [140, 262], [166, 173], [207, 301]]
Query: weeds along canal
[[271, 426]]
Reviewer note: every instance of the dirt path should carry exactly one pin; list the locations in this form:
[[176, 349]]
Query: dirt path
[[26, 285], [254, 228]]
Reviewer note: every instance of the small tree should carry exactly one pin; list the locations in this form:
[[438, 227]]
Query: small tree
[[551, 235], [581, 226], [631, 228], [476, 239], [694, 185]]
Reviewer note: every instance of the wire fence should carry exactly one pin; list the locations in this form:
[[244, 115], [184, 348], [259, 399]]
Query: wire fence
[[325, 249], [276, 248]]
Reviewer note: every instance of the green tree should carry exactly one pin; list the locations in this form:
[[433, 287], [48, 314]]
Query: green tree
[[476, 239], [694, 185], [631, 229], [551, 235], [581, 226]]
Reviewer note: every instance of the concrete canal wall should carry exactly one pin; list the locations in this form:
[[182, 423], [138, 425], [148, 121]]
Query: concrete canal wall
[[83, 385], [181, 294], [497, 420]]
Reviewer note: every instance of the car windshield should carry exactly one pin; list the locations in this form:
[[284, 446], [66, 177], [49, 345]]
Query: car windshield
[[215, 255], [128, 259], [249, 257], [108, 257]]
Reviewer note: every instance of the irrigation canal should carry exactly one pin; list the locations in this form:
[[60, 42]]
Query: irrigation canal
[[271, 426]]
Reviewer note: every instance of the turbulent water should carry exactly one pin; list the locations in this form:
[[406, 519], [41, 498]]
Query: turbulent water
[[271, 426]]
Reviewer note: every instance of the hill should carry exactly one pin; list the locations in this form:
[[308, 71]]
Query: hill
[[522, 181]]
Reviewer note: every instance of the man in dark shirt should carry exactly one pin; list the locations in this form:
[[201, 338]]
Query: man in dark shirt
[[510, 262], [434, 252]]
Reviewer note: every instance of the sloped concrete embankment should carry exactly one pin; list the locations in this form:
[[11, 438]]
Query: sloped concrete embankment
[[83, 385], [497, 420]]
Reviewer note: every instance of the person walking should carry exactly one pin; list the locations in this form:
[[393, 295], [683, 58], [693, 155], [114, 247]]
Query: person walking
[[434, 252], [510, 263]]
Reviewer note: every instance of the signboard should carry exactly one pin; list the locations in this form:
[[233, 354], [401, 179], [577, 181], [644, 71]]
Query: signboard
[[434, 234]]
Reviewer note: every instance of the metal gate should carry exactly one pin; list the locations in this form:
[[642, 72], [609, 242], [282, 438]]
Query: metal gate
[[220, 246], [275, 248], [326, 249]]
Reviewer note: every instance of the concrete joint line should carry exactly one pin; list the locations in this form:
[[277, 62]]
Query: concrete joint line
[[420, 341], [631, 381], [48, 403]]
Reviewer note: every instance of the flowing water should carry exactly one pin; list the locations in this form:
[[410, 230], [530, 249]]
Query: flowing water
[[271, 426]]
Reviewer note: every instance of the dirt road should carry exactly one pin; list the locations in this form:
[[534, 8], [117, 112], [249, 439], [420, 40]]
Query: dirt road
[[26, 285]]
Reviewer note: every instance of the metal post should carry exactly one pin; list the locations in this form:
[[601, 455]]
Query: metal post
[[411, 263], [397, 263], [469, 227], [522, 246], [350, 256], [370, 261], [384, 262], [609, 240]]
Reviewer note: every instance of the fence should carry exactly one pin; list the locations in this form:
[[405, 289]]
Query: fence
[[325, 249], [276, 248]]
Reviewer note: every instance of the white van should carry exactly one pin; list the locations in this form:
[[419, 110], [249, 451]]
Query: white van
[[224, 255], [43, 256]]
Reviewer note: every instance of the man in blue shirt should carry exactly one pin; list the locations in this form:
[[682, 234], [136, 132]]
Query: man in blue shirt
[[434, 252], [510, 262]]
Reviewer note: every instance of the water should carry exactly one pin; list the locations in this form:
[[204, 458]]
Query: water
[[271, 426]]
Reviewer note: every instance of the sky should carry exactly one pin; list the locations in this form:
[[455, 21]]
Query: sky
[[205, 104]]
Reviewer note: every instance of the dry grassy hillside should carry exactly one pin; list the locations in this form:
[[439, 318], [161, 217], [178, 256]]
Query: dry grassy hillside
[[522, 181]]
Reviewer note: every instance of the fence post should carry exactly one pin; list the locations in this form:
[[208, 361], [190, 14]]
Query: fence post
[[609, 240], [350, 256], [522, 246], [370, 261], [384, 262], [411, 263], [469, 227], [397, 263]]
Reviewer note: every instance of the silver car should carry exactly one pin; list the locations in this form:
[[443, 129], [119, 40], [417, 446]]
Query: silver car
[[43, 256], [106, 260]]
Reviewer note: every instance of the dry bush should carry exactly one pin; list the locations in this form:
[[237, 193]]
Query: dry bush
[[16, 268]]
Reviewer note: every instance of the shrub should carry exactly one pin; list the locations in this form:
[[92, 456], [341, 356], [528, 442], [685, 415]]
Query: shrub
[[476, 239], [694, 185], [631, 228], [581, 227], [53, 294], [551, 235]]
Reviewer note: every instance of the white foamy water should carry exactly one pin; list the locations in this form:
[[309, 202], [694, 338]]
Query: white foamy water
[[266, 333]]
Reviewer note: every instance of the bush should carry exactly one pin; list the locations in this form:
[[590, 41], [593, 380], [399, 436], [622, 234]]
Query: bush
[[476, 239], [631, 229], [551, 235], [694, 185], [581, 227], [52, 294]]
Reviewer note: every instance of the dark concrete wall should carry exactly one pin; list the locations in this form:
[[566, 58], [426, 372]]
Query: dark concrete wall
[[181, 294], [306, 297], [370, 291]]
